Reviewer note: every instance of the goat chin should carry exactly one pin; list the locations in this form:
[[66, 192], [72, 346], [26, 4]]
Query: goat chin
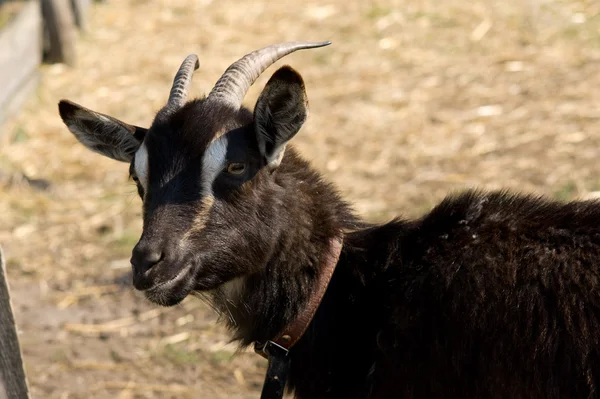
[[171, 292]]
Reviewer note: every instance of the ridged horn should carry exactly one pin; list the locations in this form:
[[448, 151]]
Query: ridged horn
[[181, 83], [237, 79]]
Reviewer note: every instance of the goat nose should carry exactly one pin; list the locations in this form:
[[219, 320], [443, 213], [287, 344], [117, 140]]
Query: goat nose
[[144, 257]]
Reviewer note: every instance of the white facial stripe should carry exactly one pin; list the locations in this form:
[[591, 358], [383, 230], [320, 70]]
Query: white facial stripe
[[141, 165], [213, 163]]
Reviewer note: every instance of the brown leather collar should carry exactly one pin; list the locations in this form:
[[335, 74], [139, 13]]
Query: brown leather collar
[[292, 333]]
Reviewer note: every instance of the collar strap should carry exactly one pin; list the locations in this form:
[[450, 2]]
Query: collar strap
[[292, 333]]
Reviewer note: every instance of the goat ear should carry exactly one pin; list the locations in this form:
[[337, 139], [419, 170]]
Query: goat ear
[[101, 133], [279, 114]]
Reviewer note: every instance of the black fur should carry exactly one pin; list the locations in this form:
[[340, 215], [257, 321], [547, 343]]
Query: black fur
[[489, 295]]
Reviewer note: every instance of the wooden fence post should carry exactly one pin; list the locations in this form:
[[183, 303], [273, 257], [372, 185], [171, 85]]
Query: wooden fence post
[[13, 383]]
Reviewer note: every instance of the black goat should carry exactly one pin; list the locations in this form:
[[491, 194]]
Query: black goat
[[490, 295]]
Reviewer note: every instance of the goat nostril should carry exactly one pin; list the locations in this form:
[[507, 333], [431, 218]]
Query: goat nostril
[[143, 260], [154, 257]]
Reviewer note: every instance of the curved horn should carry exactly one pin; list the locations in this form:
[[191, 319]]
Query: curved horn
[[237, 79], [181, 83]]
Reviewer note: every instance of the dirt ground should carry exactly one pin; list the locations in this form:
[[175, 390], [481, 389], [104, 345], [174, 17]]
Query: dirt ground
[[414, 99]]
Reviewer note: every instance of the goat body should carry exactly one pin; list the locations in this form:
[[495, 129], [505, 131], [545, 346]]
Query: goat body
[[490, 295]]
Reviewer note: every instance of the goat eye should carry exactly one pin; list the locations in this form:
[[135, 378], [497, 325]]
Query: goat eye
[[135, 179], [236, 168]]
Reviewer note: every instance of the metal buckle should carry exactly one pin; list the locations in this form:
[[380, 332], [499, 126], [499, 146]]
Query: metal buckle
[[269, 349]]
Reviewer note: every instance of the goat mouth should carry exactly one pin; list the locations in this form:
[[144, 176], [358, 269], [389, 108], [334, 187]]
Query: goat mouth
[[173, 291]]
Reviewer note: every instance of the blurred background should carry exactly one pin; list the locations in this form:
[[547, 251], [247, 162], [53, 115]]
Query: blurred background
[[412, 101]]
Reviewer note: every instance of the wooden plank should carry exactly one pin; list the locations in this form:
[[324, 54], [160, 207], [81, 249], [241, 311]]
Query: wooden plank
[[13, 383], [20, 57], [81, 13], [28, 86], [61, 31]]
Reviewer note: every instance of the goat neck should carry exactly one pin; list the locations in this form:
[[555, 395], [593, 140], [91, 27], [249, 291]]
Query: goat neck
[[296, 329]]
